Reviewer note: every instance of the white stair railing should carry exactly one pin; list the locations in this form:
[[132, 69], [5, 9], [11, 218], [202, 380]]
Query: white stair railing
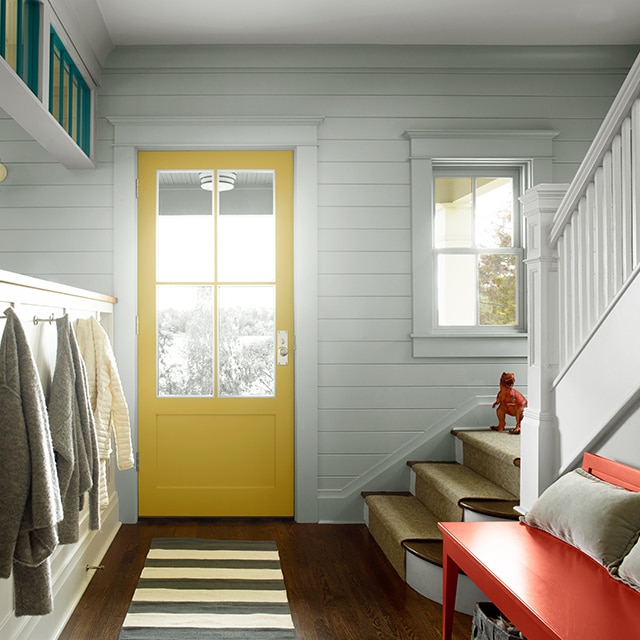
[[583, 252], [596, 232]]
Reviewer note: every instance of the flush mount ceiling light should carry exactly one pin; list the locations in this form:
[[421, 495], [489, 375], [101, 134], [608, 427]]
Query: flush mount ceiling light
[[226, 180], [3, 172]]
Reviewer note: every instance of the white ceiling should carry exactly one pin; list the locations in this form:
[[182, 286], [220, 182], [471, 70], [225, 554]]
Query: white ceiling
[[470, 22]]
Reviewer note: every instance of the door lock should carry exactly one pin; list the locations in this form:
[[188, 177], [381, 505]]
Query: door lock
[[283, 348]]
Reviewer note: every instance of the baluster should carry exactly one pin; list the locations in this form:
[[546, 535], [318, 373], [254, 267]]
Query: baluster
[[600, 245], [617, 249], [592, 252], [625, 205], [563, 315], [635, 187]]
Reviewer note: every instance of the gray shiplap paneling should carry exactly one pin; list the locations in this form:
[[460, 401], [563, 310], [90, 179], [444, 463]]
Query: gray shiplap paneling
[[399, 375], [364, 285], [71, 218], [359, 106], [368, 97], [370, 420], [360, 217], [341, 307], [399, 83], [356, 240], [364, 261]]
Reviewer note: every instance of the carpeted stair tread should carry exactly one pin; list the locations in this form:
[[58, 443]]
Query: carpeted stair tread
[[395, 518], [458, 481], [441, 486], [498, 444]]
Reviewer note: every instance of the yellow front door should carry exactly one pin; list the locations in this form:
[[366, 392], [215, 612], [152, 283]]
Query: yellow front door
[[215, 365]]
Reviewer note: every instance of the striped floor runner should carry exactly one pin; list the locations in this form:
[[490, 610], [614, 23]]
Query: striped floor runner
[[193, 589]]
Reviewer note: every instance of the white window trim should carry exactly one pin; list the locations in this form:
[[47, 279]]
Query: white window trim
[[531, 149]]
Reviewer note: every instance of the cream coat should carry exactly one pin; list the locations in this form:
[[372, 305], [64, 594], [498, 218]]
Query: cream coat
[[107, 399]]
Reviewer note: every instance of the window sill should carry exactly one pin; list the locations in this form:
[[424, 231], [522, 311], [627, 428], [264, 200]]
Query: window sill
[[487, 348]]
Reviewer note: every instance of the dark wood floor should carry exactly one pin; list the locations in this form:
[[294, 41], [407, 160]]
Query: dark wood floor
[[340, 585]]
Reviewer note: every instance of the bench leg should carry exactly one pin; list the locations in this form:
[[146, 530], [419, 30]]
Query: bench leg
[[449, 588]]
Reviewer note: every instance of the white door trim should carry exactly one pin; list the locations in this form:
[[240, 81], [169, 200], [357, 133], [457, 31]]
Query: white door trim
[[219, 133]]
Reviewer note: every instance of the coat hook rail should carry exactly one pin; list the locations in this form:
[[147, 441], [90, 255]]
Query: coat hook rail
[[51, 319]]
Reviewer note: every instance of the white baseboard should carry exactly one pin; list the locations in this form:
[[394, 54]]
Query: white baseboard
[[69, 576]]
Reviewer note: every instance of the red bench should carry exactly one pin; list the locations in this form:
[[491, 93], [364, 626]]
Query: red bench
[[548, 588]]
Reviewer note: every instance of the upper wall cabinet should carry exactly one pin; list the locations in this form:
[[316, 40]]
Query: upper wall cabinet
[[20, 42], [49, 89]]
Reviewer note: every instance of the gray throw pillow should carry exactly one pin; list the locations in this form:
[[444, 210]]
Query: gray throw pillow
[[599, 518], [629, 569]]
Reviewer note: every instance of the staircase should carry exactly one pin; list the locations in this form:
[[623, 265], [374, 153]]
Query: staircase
[[482, 484]]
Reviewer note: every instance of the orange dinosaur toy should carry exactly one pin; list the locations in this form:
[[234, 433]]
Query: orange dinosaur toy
[[509, 402]]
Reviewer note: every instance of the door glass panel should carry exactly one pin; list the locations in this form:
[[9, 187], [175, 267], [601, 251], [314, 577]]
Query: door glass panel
[[185, 247], [246, 226], [246, 342], [184, 340]]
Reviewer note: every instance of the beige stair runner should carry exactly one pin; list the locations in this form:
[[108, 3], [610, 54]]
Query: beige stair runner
[[394, 519], [488, 472]]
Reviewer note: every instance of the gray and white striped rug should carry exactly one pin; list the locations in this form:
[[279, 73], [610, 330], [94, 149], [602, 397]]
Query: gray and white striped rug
[[195, 589]]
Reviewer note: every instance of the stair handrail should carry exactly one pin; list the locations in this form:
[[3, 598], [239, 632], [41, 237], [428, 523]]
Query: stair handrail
[[611, 125]]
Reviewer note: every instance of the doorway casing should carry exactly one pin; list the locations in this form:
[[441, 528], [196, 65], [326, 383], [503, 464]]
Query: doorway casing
[[133, 134]]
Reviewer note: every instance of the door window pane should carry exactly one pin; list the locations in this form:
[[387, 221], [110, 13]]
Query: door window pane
[[184, 228], [246, 341], [246, 226], [184, 340]]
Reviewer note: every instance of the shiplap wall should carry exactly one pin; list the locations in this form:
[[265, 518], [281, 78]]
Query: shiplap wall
[[374, 398]]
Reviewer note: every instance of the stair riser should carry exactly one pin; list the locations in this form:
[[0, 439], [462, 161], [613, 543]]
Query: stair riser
[[444, 509], [389, 546], [474, 516], [502, 473], [426, 579]]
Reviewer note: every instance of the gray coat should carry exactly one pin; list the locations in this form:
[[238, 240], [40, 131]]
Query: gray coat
[[74, 435], [30, 505]]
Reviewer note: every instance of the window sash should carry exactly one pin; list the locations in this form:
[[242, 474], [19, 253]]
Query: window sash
[[475, 172]]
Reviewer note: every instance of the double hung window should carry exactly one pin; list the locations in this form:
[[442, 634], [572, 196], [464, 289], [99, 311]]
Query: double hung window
[[467, 239], [477, 248]]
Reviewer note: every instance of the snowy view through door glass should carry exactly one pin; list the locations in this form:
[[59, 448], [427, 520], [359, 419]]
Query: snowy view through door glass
[[215, 292]]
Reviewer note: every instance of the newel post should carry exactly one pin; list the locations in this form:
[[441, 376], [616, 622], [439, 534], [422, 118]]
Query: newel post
[[539, 444]]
